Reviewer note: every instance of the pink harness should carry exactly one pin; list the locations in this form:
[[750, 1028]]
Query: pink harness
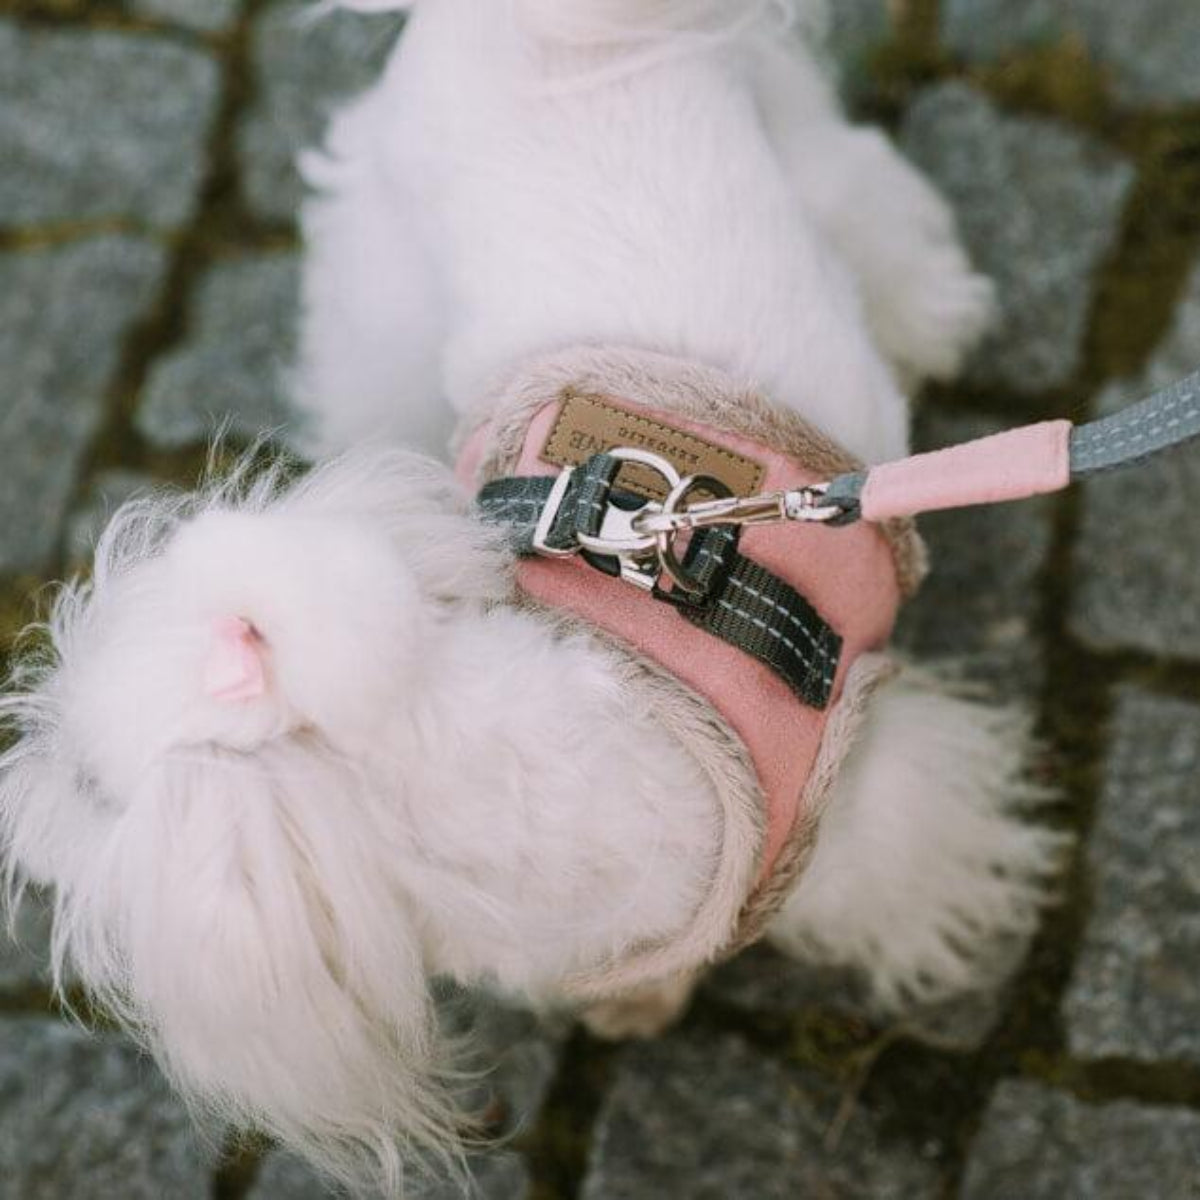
[[849, 576]]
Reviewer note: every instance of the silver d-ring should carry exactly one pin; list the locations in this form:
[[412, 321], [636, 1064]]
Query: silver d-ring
[[665, 541]]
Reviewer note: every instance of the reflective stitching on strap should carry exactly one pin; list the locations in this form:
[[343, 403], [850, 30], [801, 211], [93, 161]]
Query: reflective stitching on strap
[[1169, 418], [785, 613]]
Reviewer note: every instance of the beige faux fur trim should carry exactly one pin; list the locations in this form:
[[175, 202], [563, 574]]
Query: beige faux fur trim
[[844, 725], [726, 921]]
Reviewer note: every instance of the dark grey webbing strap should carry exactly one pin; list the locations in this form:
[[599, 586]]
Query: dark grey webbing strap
[[1169, 418], [757, 612], [518, 502], [740, 602]]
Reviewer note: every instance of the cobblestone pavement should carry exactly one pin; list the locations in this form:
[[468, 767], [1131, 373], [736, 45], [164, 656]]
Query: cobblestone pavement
[[147, 282]]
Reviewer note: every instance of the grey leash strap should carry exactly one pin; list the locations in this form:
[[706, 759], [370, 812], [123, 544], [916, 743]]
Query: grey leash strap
[[1169, 418], [737, 600]]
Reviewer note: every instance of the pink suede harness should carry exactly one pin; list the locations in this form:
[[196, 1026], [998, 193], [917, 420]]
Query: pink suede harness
[[848, 576]]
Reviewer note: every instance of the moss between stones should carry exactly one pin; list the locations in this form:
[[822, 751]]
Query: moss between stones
[[1138, 290], [18, 609], [1058, 79]]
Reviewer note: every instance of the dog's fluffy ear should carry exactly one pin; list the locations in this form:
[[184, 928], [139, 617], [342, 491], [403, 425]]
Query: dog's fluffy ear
[[244, 918]]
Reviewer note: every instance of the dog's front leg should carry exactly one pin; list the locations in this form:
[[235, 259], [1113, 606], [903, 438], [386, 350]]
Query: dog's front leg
[[925, 305], [374, 314]]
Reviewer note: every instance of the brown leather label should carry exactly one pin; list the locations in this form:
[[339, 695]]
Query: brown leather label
[[588, 425]]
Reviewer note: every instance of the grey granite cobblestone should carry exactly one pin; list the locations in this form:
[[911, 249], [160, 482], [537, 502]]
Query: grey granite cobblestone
[[1135, 992], [1149, 47], [1039, 206], [1139, 541], [64, 315], [1037, 1143], [713, 1118], [232, 367], [764, 984], [102, 125], [499, 1176], [304, 69], [207, 16], [85, 1116], [25, 947], [514, 1054], [858, 30], [108, 491]]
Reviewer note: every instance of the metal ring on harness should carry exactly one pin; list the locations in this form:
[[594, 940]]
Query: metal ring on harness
[[665, 538]]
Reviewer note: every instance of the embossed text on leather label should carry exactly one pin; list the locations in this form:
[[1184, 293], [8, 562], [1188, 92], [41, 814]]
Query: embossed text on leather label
[[588, 425]]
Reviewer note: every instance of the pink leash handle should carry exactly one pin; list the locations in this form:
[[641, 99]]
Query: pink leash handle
[[1014, 465]]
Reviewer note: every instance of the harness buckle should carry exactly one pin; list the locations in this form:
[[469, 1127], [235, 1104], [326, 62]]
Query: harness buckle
[[639, 538]]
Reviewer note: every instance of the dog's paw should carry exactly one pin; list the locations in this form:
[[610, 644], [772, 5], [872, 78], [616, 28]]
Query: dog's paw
[[940, 315], [639, 1015]]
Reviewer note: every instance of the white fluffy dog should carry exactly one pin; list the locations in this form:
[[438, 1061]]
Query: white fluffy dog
[[423, 779]]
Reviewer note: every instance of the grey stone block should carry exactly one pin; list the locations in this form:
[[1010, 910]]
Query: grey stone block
[[305, 68], [1135, 991], [87, 1116], [232, 366], [64, 314], [764, 984], [513, 1054], [979, 605], [499, 1176], [1149, 47], [207, 16], [712, 1118], [109, 491], [96, 125], [1040, 1144], [858, 28], [25, 949], [1039, 206], [1139, 540]]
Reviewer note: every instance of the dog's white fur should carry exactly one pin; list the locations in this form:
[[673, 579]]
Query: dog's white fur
[[436, 782]]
